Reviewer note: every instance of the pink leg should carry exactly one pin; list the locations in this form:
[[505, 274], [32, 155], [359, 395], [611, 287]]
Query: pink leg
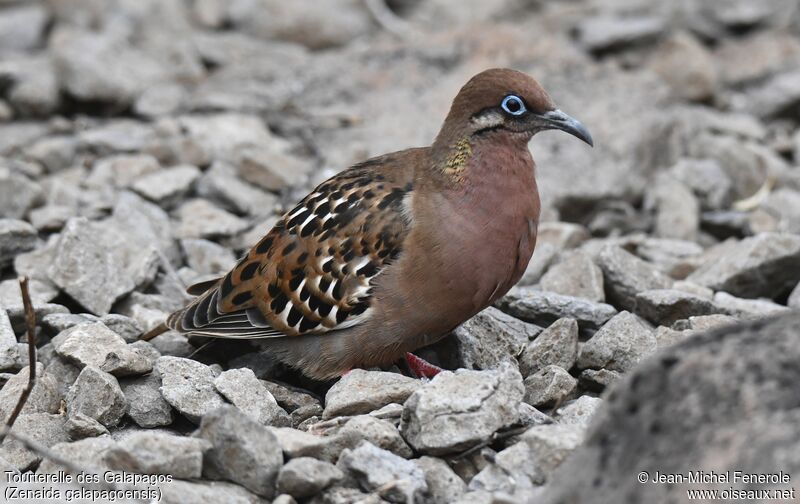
[[421, 367]]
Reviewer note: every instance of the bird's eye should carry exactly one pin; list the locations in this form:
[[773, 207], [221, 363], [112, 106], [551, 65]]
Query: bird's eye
[[513, 105]]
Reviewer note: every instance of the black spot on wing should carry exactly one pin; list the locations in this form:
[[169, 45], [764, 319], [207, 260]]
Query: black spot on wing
[[249, 271], [242, 298]]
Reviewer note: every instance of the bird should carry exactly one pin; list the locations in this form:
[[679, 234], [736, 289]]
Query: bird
[[393, 253]]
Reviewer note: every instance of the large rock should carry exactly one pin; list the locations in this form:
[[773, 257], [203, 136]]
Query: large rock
[[305, 476], [363, 391], [764, 265], [188, 386], [491, 337], [243, 450], [45, 429], [458, 410], [96, 264], [652, 422], [543, 308]]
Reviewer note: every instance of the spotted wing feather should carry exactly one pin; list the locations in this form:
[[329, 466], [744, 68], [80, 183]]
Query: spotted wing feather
[[314, 271]]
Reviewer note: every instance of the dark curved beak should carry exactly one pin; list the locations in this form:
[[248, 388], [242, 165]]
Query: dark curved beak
[[556, 119]]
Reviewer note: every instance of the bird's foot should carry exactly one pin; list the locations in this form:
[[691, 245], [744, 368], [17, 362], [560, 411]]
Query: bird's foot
[[421, 367]]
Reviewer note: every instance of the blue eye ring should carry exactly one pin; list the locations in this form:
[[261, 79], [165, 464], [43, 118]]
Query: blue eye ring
[[514, 105]]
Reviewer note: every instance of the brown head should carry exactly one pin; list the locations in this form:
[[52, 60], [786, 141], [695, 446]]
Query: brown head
[[505, 102]]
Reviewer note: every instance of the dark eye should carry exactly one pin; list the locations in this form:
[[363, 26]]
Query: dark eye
[[513, 105]]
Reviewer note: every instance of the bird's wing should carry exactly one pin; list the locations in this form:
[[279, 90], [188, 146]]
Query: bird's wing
[[313, 272]]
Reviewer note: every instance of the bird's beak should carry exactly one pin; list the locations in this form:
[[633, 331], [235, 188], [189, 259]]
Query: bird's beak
[[556, 119]]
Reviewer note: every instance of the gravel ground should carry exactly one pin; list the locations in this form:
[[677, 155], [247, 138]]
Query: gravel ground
[[145, 145]]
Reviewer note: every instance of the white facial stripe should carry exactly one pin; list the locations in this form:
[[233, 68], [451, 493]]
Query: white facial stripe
[[488, 120]]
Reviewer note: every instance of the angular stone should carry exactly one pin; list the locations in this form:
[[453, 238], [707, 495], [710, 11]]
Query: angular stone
[[557, 345], [704, 322], [543, 308], [144, 222], [764, 265], [549, 445], [376, 470], [305, 476], [562, 235], [665, 306], [491, 337], [44, 397], [244, 451], [597, 380], [288, 397], [380, 433], [575, 274], [166, 187], [747, 308], [457, 410], [80, 426], [626, 275], [129, 329], [246, 392], [363, 391], [96, 264], [188, 386], [201, 219], [9, 354], [619, 345], [97, 395], [578, 412], [16, 237], [152, 452], [146, 406], [548, 386], [543, 257], [94, 344], [43, 428], [444, 485], [18, 194]]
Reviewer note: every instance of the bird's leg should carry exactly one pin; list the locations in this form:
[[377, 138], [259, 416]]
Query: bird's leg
[[421, 367]]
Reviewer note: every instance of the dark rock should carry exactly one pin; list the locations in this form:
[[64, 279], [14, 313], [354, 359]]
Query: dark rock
[[543, 308], [747, 372]]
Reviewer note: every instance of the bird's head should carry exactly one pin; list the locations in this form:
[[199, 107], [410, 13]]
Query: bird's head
[[501, 100]]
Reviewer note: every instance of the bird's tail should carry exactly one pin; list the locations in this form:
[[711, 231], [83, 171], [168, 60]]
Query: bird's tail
[[152, 333]]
